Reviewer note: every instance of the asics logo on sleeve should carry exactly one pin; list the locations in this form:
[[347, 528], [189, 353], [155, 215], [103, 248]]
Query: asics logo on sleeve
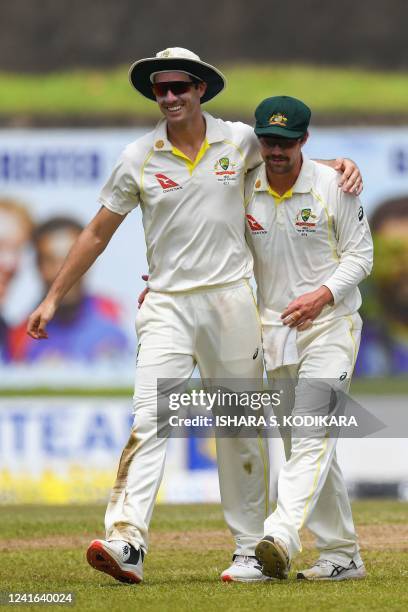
[[360, 213]]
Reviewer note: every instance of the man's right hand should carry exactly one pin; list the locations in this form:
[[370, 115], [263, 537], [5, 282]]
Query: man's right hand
[[38, 320]]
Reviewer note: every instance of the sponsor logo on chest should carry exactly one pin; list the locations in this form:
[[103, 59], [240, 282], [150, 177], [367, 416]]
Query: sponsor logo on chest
[[166, 183], [225, 170], [305, 223], [255, 226]]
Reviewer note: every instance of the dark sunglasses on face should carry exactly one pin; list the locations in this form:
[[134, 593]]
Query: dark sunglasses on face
[[176, 87], [283, 143]]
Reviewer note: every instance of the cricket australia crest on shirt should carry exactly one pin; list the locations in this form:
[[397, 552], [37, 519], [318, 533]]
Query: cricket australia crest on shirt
[[167, 183], [304, 222], [224, 170], [255, 226]]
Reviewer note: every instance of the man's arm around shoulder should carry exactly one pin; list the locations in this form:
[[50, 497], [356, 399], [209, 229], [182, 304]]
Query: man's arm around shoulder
[[350, 180]]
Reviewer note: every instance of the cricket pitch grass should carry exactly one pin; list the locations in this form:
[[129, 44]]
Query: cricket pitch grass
[[43, 550]]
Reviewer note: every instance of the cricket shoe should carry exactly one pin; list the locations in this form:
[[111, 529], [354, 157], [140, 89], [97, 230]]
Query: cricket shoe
[[273, 557], [327, 570], [243, 569], [118, 559]]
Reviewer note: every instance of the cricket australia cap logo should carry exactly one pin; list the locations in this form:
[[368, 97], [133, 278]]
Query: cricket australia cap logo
[[305, 221], [255, 226], [224, 170], [278, 119], [167, 183]]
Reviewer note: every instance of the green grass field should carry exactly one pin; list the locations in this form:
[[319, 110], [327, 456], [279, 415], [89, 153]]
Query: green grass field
[[326, 90], [397, 385], [43, 550]]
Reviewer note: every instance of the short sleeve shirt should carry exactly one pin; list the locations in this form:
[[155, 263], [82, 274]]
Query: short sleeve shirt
[[193, 212]]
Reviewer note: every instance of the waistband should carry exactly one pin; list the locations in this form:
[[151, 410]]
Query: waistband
[[327, 317], [205, 289]]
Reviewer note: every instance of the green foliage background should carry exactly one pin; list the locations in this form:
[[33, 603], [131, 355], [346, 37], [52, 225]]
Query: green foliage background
[[326, 90]]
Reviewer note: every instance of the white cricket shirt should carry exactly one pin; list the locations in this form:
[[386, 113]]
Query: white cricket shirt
[[193, 213], [313, 235]]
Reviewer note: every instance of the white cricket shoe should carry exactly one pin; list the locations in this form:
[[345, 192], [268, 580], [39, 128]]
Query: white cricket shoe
[[327, 570], [243, 569], [273, 557], [118, 559]]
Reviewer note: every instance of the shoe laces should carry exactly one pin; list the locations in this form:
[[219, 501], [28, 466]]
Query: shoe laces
[[326, 563], [245, 560], [125, 551]]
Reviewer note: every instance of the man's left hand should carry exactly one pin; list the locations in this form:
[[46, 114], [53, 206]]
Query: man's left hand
[[306, 308], [351, 180], [143, 294]]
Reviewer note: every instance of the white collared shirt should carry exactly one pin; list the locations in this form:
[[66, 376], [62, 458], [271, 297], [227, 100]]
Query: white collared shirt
[[193, 213], [314, 235]]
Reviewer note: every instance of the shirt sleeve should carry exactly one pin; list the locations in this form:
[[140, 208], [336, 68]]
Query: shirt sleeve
[[250, 147], [120, 193], [249, 186], [354, 245]]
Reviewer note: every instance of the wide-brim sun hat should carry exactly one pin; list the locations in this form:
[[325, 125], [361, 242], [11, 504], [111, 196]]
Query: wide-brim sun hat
[[175, 59]]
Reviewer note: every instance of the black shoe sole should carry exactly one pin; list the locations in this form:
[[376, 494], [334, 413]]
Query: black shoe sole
[[272, 560]]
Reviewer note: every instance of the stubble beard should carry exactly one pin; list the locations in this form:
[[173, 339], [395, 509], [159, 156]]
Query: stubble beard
[[281, 168]]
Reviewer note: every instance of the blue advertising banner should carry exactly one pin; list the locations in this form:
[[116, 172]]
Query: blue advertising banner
[[50, 181]]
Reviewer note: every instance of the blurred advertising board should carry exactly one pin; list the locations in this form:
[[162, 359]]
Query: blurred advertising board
[[66, 450], [50, 180], [59, 450]]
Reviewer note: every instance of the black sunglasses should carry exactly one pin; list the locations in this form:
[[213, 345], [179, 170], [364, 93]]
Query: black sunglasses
[[176, 87], [283, 143]]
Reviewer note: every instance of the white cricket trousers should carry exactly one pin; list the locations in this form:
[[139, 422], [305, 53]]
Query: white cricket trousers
[[217, 329], [311, 487]]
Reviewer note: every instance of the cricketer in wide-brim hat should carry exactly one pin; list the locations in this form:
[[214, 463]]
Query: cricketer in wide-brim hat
[[175, 59]]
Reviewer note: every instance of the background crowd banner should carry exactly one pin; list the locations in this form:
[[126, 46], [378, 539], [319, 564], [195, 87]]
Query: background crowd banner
[[60, 172]]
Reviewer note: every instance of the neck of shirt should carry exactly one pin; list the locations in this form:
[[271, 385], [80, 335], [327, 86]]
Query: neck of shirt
[[280, 198], [190, 163]]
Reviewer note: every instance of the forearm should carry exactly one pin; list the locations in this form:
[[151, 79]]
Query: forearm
[[82, 255], [90, 243], [354, 246], [326, 162], [347, 277]]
